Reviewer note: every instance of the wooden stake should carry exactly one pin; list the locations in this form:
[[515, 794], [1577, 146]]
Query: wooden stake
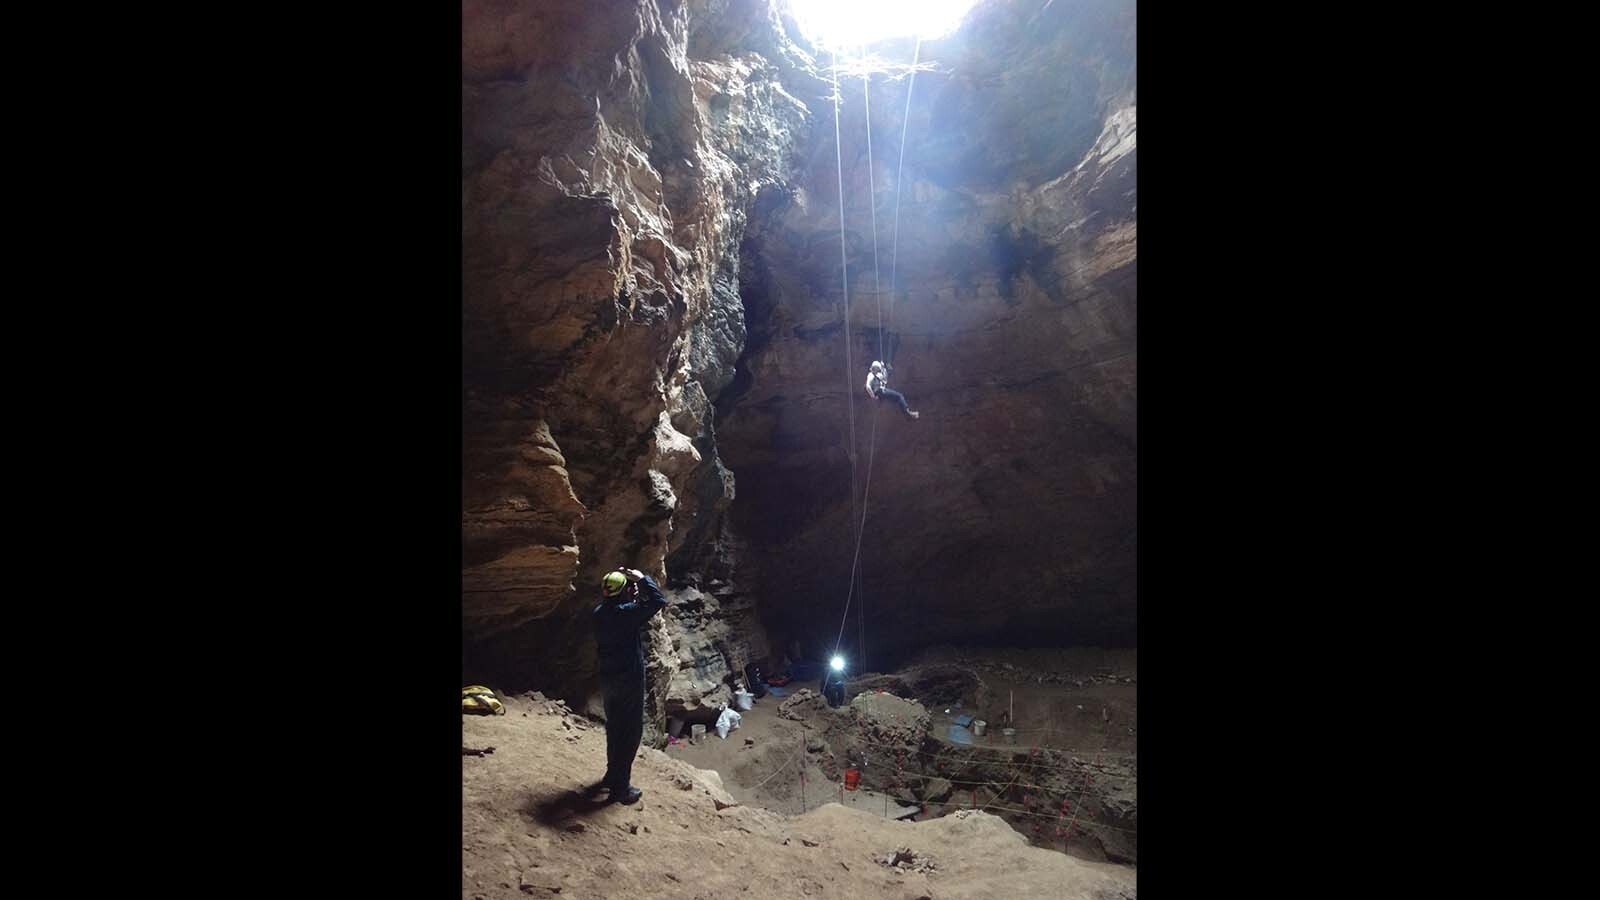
[[802, 768]]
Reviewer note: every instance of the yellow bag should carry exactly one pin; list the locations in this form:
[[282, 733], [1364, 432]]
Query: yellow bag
[[477, 700]]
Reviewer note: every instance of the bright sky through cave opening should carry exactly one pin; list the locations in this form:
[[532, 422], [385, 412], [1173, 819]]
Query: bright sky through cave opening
[[840, 24]]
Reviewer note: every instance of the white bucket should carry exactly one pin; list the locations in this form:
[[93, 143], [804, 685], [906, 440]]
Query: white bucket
[[697, 733], [744, 699], [979, 726], [1011, 735]]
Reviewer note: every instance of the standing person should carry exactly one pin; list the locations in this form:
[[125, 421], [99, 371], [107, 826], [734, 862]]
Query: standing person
[[617, 620], [878, 388], [833, 683]]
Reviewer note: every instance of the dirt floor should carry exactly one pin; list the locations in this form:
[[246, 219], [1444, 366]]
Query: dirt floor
[[526, 831], [1067, 779], [761, 763], [1078, 700]]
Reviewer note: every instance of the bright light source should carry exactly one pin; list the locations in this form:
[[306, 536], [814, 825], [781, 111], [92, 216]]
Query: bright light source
[[838, 663], [837, 24]]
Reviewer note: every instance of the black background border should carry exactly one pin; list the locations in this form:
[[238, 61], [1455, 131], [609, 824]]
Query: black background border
[[1251, 446]]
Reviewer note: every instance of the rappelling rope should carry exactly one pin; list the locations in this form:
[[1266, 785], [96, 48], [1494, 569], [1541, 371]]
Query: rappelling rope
[[860, 530], [872, 205], [850, 374], [894, 252], [872, 439]]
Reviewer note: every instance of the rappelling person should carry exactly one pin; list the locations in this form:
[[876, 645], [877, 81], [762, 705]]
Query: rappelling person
[[878, 387], [617, 620]]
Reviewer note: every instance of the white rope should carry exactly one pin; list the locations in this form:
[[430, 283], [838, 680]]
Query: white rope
[[850, 374], [872, 195], [905, 122], [872, 440]]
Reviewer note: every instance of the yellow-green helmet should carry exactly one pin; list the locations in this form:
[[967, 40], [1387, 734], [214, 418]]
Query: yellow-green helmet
[[613, 583]]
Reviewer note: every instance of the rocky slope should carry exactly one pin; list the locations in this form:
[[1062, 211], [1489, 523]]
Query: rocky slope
[[902, 748], [526, 832], [654, 337]]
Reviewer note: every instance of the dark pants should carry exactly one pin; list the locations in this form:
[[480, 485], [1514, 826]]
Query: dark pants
[[834, 692], [624, 702], [896, 396]]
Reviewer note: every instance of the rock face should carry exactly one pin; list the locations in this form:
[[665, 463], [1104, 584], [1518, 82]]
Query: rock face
[[714, 635], [1005, 514], [652, 303], [606, 178]]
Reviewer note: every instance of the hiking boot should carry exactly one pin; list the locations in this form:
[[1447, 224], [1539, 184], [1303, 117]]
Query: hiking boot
[[628, 796]]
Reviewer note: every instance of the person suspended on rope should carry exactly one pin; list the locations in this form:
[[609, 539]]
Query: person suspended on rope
[[878, 387]]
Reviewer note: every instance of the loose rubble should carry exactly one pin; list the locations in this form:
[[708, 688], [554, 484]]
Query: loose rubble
[[799, 707], [907, 860]]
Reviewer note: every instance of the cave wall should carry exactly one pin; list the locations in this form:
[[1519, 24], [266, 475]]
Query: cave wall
[[606, 176], [654, 339], [1007, 512]]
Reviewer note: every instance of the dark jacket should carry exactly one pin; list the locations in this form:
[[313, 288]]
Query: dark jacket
[[833, 688], [616, 631]]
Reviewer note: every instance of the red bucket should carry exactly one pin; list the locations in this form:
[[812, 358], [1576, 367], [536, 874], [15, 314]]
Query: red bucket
[[852, 779]]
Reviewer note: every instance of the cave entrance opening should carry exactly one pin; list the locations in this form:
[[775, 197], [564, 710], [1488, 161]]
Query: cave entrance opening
[[841, 25]]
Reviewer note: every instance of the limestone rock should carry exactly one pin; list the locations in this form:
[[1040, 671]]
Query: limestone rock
[[802, 705], [603, 210]]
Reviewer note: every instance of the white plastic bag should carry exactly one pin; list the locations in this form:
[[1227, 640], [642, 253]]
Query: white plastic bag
[[728, 721]]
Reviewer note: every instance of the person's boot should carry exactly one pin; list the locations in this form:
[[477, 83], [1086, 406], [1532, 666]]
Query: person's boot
[[627, 796]]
